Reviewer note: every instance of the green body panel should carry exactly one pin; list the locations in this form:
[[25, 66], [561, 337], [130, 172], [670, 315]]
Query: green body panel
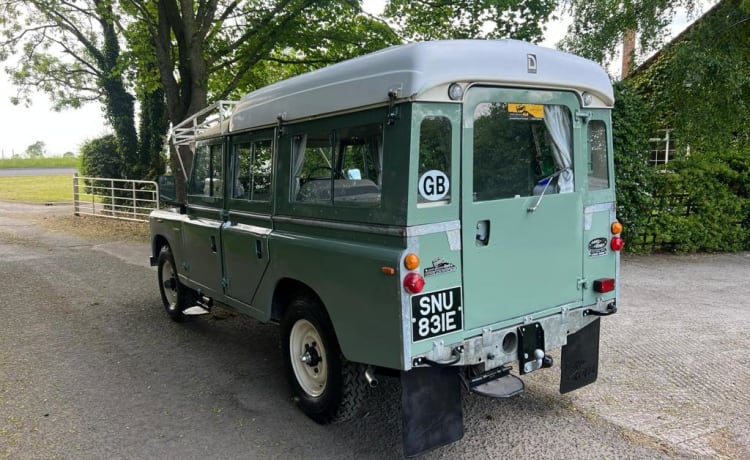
[[201, 254], [420, 214], [531, 262], [246, 254], [362, 301], [598, 266], [433, 249]]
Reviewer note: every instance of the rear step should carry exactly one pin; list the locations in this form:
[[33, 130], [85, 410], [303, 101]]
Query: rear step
[[497, 383]]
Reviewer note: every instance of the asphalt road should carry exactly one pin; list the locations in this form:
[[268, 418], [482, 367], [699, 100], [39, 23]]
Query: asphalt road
[[35, 171], [91, 368]]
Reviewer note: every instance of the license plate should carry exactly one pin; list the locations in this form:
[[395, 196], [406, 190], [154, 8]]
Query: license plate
[[436, 313]]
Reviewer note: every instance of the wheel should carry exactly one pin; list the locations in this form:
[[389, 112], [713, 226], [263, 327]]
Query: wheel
[[326, 387], [174, 295]]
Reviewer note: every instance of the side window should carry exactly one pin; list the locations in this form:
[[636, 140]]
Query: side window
[[359, 160], [206, 175], [435, 139], [313, 165], [252, 170], [598, 158], [341, 167], [521, 150]]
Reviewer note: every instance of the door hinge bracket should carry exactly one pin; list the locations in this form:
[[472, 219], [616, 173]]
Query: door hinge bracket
[[581, 283], [224, 283]]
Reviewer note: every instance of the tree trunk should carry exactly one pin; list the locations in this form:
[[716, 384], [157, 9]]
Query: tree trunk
[[118, 102]]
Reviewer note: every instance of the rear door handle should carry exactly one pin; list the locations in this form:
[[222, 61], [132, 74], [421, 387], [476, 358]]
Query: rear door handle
[[483, 232], [258, 249], [213, 244]]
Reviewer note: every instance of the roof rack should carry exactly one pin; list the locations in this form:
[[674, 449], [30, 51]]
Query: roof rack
[[213, 118]]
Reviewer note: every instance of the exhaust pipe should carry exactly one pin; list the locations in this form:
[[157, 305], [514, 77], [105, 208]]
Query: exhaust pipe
[[370, 377]]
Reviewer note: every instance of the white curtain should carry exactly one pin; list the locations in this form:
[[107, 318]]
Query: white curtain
[[558, 124], [300, 143]]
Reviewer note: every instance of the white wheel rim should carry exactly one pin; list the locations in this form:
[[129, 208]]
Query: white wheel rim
[[170, 293], [305, 344]]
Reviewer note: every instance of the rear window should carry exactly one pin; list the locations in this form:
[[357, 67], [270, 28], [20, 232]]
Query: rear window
[[521, 150], [434, 160], [598, 158]]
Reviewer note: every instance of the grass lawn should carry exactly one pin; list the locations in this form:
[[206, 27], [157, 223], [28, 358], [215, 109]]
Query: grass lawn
[[9, 163], [37, 189]]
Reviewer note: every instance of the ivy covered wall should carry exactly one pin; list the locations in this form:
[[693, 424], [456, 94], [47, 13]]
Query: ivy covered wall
[[698, 86]]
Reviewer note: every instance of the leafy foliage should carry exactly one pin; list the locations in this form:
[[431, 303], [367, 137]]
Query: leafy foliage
[[699, 87], [441, 19], [599, 26], [634, 176], [99, 158], [698, 208]]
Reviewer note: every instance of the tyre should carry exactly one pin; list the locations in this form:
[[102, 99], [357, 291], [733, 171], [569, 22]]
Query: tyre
[[326, 387], [174, 295]]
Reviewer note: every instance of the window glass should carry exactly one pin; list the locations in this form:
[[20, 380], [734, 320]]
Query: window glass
[[342, 166], [206, 174], [598, 159], [313, 166], [359, 158], [253, 167], [434, 160], [521, 150]]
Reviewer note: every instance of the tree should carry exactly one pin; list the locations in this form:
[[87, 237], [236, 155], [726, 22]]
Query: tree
[[71, 51], [208, 50], [699, 84], [599, 26], [442, 19], [36, 150], [214, 50]]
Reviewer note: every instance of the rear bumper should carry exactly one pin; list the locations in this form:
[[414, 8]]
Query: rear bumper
[[495, 348]]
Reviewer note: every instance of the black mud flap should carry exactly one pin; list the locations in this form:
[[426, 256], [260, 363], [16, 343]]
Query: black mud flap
[[431, 408], [580, 358]]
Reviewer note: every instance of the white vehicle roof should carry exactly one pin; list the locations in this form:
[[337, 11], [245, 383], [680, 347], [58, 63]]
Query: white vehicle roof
[[420, 72]]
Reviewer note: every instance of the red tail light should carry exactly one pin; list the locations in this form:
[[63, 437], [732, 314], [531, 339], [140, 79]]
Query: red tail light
[[414, 283], [604, 285], [617, 243]]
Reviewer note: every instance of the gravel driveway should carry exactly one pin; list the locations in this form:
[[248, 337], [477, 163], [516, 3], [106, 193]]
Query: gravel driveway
[[90, 368]]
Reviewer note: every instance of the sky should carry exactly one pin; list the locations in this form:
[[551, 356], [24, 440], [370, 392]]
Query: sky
[[65, 131]]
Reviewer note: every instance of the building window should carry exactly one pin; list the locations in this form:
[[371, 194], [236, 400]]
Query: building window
[[663, 148]]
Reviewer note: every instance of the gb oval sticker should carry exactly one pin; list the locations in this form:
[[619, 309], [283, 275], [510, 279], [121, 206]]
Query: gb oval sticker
[[434, 185]]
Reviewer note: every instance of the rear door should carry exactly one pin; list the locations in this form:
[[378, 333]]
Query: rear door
[[521, 208]]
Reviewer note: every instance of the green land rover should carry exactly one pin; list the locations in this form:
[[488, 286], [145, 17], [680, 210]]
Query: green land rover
[[440, 211]]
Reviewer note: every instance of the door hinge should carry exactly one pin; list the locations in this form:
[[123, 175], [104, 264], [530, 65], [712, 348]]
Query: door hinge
[[224, 283], [581, 283]]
